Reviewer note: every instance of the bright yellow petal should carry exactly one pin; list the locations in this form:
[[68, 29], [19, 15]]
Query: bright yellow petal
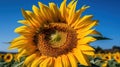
[[58, 62], [77, 16], [82, 58], [70, 4], [37, 61], [83, 27], [29, 59], [45, 62], [86, 40], [80, 11], [36, 10], [51, 63], [30, 18], [25, 30], [34, 19], [91, 53], [18, 44], [63, 9], [85, 48], [19, 38], [83, 19], [56, 12], [72, 60], [65, 61], [83, 34], [71, 13], [46, 12], [25, 22]]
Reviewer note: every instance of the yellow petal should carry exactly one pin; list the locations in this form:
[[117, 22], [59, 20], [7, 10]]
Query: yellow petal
[[18, 44], [29, 59], [27, 16], [83, 34], [24, 30], [77, 15], [58, 62], [70, 4], [36, 10], [45, 62], [86, 40], [37, 61], [86, 26], [33, 19], [83, 19], [91, 53], [46, 12], [37, 15], [72, 60], [51, 63], [19, 38], [82, 58], [25, 22], [56, 12], [63, 9], [83, 8], [65, 61], [22, 42], [85, 48], [71, 13]]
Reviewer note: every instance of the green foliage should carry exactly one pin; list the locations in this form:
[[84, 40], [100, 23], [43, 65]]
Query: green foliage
[[99, 37], [113, 63]]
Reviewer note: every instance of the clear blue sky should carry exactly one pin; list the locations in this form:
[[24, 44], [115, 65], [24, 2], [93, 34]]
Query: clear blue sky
[[106, 11]]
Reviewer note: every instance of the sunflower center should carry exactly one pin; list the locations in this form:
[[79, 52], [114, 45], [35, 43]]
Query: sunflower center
[[117, 57], [56, 39], [8, 57]]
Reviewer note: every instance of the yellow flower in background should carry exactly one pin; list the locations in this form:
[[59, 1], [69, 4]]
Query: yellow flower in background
[[116, 56], [53, 36], [8, 57], [107, 56]]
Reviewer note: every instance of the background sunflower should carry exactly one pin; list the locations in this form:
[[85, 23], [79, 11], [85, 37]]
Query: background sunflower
[[8, 57]]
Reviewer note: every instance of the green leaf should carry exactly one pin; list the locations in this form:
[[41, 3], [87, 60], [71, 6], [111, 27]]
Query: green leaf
[[99, 37], [18, 64]]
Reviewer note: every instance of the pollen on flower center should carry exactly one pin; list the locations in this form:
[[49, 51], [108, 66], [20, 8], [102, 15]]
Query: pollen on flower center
[[56, 39]]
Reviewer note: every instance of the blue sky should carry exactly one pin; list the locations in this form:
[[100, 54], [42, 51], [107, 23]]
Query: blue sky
[[106, 11]]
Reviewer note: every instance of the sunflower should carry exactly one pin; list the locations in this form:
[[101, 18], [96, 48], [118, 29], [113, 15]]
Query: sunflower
[[52, 36], [116, 56], [107, 56], [8, 57]]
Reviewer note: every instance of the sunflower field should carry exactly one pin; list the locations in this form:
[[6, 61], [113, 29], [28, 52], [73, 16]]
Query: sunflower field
[[52, 36]]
